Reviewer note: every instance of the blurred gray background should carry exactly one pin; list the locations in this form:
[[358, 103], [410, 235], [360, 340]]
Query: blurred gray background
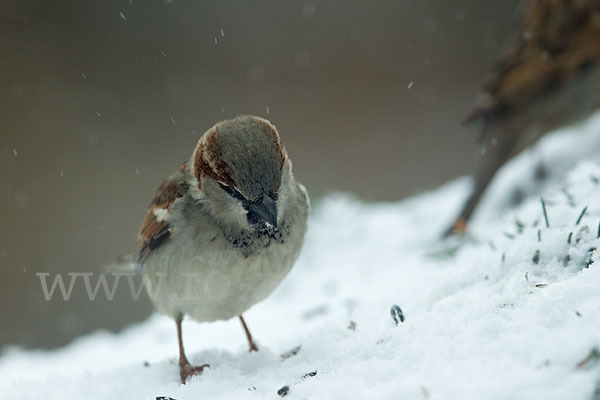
[[102, 99]]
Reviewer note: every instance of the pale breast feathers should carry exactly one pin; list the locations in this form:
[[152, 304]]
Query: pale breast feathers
[[155, 229]]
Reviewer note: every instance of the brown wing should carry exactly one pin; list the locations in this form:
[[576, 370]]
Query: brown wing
[[155, 229], [555, 41]]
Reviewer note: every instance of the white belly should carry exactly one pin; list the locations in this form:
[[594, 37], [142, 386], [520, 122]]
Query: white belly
[[186, 280]]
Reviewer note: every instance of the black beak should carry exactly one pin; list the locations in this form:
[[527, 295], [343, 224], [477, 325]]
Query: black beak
[[263, 212]]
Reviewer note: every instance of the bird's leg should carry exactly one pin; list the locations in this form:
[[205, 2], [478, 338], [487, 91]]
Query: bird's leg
[[185, 368], [490, 164], [459, 226], [248, 335]]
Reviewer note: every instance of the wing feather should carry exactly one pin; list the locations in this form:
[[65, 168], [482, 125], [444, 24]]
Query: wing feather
[[557, 39], [155, 229]]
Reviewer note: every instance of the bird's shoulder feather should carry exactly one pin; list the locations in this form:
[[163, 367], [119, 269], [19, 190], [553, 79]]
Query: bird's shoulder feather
[[155, 229]]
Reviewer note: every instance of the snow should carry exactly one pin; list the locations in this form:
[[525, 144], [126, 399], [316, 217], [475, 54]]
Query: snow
[[508, 312]]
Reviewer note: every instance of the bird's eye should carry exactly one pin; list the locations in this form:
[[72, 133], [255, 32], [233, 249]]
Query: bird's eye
[[232, 192]]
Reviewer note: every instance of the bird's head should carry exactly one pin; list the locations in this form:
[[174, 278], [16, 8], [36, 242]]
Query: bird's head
[[239, 166]]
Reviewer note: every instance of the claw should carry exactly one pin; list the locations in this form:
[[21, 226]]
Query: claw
[[186, 370], [459, 227]]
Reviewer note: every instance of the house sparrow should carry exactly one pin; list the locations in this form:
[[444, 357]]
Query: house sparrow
[[223, 230], [548, 75]]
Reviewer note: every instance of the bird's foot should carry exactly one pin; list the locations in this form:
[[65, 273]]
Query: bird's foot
[[253, 347], [186, 370], [459, 227]]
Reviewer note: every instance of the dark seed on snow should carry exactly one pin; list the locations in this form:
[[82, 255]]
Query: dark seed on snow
[[309, 374], [397, 314], [283, 391], [291, 353], [536, 257]]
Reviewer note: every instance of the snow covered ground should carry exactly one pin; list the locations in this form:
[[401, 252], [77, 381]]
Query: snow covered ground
[[510, 312]]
